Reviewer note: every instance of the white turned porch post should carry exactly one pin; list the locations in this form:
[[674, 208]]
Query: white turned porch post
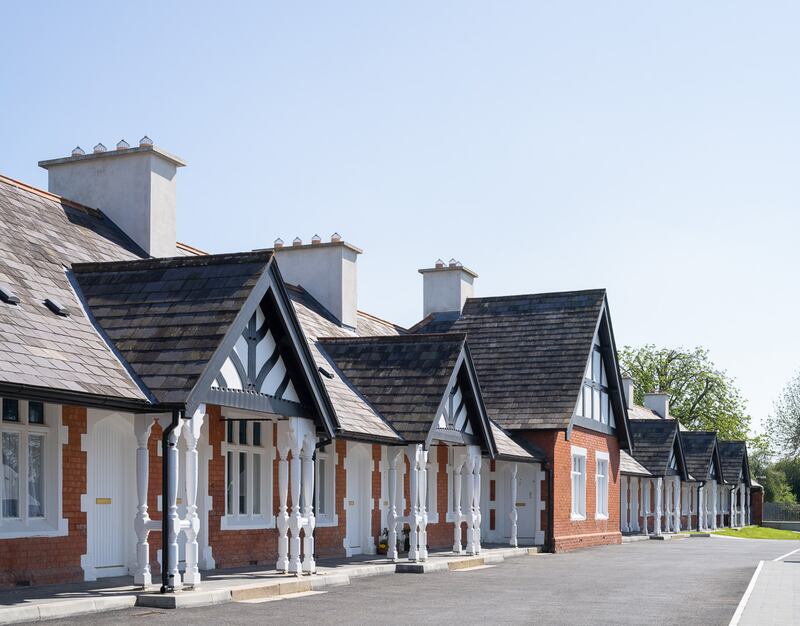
[[295, 520], [142, 524], [747, 505], [623, 500], [513, 513], [714, 499], [657, 515], [422, 541], [634, 498], [741, 504], [307, 463], [667, 511], [282, 518], [470, 467], [458, 465], [395, 456], [171, 504], [476, 498], [191, 435], [413, 509], [646, 483], [676, 505]]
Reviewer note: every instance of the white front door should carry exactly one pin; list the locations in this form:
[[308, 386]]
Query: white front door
[[111, 512], [358, 497], [526, 503]]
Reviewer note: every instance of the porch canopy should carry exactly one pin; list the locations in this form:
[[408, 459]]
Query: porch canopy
[[704, 465], [425, 387], [216, 329], [736, 474]]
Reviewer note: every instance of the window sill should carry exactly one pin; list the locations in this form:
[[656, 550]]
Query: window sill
[[600, 516], [41, 528], [577, 518], [231, 523], [327, 522]]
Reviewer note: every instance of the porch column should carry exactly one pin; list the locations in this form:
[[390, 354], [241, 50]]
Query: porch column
[[458, 464], [513, 513], [170, 504], [668, 505], [307, 463], [657, 515], [191, 435], [282, 518], [476, 500], [391, 518], [413, 508], [623, 500], [714, 498], [142, 524], [470, 467], [701, 507], [747, 505], [676, 505], [645, 504], [295, 520], [634, 498], [422, 541]]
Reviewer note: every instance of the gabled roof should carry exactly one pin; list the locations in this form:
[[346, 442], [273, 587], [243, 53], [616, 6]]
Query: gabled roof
[[531, 351], [654, 442], [733, 456], [630, 466], [404, 377], [44, 353], [700, 451]]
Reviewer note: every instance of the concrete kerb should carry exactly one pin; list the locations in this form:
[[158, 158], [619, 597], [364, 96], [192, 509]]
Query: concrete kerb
[[220, 593]]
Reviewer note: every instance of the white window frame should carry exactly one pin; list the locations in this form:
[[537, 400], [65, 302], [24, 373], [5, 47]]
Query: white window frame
[[249, 521], [54, 436], [601, 490], [328, 454], [580, 513]]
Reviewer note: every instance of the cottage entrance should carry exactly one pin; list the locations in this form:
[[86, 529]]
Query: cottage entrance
[[357, 502], [110, 511], [526, 503]]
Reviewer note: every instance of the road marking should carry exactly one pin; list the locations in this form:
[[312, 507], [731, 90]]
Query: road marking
[[780, 558], [472, 569], [743, 602], [286, 596]]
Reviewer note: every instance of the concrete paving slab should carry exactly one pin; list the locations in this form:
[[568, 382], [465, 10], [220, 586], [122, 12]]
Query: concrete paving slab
[[774, 597]]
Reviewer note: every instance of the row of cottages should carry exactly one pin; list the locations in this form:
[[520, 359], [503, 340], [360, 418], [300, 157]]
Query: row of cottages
[[679, 479], [165, 406]]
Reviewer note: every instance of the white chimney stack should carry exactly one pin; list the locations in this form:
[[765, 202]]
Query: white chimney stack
[[445, 288], [327, 271], [135, 187], [658, 402], [627, 389]]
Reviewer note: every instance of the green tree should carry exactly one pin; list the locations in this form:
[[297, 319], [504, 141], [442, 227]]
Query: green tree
[[776, 487], [783, 425], [702, 396]]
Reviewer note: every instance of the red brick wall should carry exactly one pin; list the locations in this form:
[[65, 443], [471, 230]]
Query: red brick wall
[[330, 539], [569, 534], [21, 560], [440, 535], [757, 507]]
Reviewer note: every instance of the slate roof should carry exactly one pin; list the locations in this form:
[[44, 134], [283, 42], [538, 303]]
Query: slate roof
[[354, 413], [167, 317], [732, 455], [41, 235], [530, 352], [653, 442], [637, 412], [510, 450], [630, 466], [404, 377], [698, 450]]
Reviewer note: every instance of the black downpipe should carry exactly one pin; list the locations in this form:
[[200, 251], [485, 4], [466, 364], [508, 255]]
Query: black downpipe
[[550, 540], [167, 581], [320, 444]]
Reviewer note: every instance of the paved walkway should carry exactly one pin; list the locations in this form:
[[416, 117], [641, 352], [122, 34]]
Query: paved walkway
[[63, 601], [773, 596]]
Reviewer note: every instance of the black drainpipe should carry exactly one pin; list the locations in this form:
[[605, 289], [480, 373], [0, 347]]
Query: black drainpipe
[[550, 540], [320, 444], [167, 581]]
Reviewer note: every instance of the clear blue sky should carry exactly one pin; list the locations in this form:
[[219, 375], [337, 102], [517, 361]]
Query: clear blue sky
[[649, 148]]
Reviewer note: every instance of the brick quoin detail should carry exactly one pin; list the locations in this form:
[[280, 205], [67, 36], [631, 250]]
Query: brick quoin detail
[[569, 534], [51, 560]]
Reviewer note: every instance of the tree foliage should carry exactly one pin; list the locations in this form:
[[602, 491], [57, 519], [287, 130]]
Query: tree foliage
[[702, 396], [776, 487], [783, 426]]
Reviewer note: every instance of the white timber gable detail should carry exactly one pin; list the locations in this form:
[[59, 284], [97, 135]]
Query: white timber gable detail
[[454, 413], [255, 363]]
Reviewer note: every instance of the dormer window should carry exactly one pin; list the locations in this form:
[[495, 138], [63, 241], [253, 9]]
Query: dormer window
[[594, 399]]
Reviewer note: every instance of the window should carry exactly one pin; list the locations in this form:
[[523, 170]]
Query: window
[[30, 456], [594, 401], [578, 483], [601, 485], [248, 475], [324, 485]]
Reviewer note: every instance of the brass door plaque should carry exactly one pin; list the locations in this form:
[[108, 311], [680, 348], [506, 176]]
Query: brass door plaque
[[102, 501]]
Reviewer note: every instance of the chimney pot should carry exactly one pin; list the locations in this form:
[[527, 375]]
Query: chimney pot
[[123, 145], [453, 263], [278, 243], [77, 151], [145, 142], [336, 238], [316, 239], [439, 264], [297, 241], [99, 148]]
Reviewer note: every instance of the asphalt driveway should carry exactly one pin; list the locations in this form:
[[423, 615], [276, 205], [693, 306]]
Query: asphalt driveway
[[686, 581]]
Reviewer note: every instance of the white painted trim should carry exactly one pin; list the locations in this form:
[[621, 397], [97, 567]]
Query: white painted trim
[[780, 558], [743, 602]]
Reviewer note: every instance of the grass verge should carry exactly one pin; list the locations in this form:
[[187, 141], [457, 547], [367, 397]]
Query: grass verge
[[758, 532]]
